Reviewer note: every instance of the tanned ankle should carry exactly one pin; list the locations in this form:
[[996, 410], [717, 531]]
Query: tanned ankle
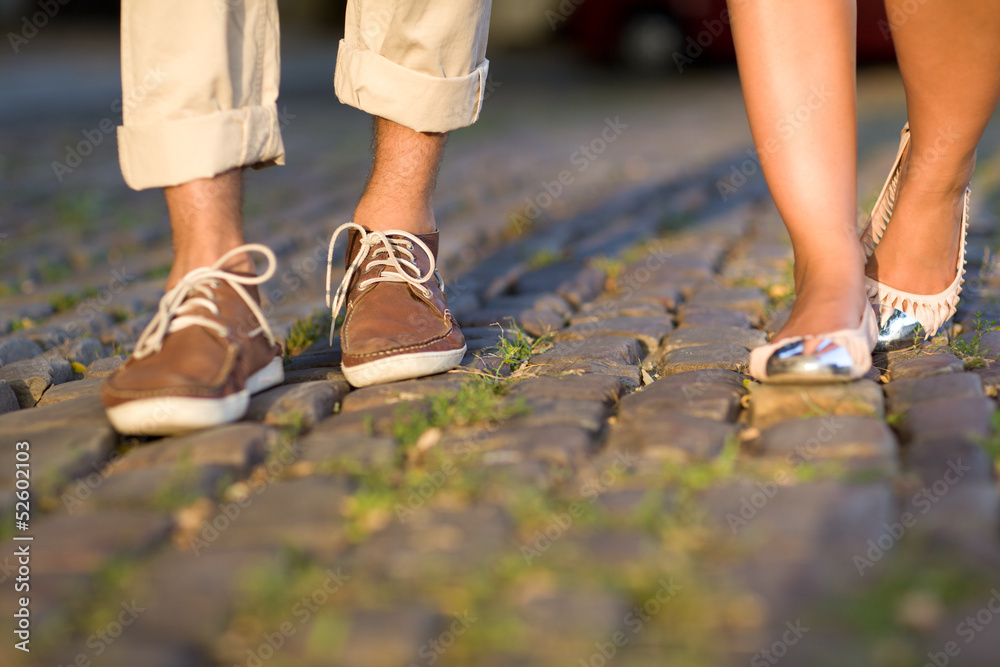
[[412, 219]]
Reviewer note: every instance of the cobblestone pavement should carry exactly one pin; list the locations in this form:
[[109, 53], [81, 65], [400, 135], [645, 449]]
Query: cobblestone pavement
[[600, 483]]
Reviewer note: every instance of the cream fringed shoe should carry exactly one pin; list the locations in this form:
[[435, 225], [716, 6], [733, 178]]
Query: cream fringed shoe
[[873, 230], [840, 356], [905, 317]]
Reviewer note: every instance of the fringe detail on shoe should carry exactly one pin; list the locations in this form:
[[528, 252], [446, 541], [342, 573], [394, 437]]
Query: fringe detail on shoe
[[931, 310], [877, 222]]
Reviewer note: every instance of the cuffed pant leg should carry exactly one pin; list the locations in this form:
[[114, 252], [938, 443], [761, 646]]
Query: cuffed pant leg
[[199, 89], [419, 63]]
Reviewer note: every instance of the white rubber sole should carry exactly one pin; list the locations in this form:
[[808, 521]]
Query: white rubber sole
[[174, 415], [403, 367]]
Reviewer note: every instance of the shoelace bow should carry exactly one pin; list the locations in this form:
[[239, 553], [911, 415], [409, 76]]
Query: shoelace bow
[[399, 257], [195, 291]]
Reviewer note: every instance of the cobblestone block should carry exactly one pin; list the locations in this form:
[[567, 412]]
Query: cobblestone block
[[396, 392], [694, 336], [774, 403], [48, 337], [870, 442], [990, 377], [324, 446], [8, 399], [904, 394], [747, 299], [558, 447], [277, 516], [575, 283], [729, 357], [17, 348], [102, 368], [192, 595], [711, 316], [680, 269], [158, 487], [535, 321], [932, 456], [426, 541], [483, 361], [83, 412], [131, 650], [70, 390], [709, 394], [613, 351], [60, 453], [965, 416], [307, 403], [588, 415], [575, 617], [961, 520], [609, 308], [540, 322], [925, 366], [81, 544], [376, 420], [604, 388], [630, 376], [492, 333], [671, 436], [367, 645], [647, 330], [823, 523], [83, 351], [32, 310], [50, 593], [666, 295], [238, 446], [30, 378]]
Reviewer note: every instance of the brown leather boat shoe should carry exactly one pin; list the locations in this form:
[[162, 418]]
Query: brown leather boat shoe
[[397, 324], [207, 349]]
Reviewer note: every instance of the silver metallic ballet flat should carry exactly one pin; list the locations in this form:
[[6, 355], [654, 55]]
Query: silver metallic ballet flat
[[905, 318], [840, 356]]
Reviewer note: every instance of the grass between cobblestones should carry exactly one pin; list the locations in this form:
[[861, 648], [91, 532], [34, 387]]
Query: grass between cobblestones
[[306, 331]]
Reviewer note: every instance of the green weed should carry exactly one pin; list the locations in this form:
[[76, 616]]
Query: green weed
[[67, 301], [544, 257], [306, 331], [478, 401], [970, 351]]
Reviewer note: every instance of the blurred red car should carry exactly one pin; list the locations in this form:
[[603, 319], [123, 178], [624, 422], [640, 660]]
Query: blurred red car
[[662, 34]]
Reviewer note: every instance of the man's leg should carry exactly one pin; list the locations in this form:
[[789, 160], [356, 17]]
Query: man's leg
[[206, 222], [419, 67], [199, 105], [400, 190]]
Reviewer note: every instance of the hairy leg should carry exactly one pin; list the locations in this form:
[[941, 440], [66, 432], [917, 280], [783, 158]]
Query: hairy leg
[[951, 72], [206, 220], [797, 67], [400, 190]]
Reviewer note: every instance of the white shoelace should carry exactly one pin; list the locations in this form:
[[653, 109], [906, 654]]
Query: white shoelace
[[195, 291], [398, 256]]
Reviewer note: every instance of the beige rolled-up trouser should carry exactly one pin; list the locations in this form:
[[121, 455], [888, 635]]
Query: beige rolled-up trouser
[[200, 78]]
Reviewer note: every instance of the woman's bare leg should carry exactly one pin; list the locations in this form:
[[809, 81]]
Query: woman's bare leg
[[947, 51], [797, 67]]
